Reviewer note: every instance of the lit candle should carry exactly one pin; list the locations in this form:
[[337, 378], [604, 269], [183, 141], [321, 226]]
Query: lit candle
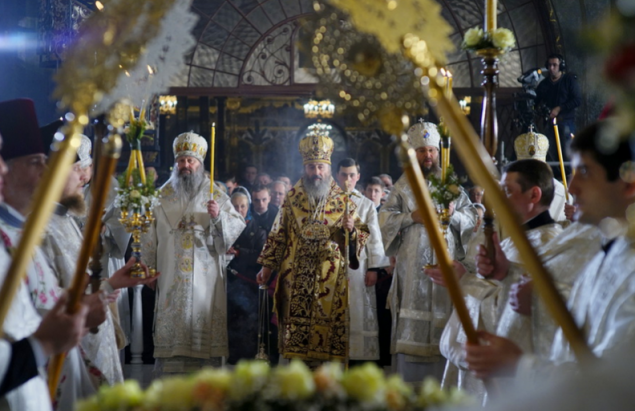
[[211, 161], [490, 15], [559, 147], [449, 81], [445, 156]]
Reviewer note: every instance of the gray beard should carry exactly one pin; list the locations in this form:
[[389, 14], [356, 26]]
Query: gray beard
[[316, 189], [187, 185]]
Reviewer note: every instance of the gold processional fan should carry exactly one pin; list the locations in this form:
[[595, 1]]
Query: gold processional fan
[[413, 30], [354, 68]]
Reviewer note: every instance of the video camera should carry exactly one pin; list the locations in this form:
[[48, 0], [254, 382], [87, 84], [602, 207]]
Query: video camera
[[524, 104], [530, 80]]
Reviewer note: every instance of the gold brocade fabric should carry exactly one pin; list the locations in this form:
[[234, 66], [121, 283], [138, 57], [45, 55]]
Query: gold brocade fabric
[[311, 293]]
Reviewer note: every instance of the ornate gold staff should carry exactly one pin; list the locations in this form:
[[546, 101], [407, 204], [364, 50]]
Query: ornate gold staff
[[110, 154], [347, 198], [348, 264], [392, 24], [564, 176], [481, 168], [47, 194]]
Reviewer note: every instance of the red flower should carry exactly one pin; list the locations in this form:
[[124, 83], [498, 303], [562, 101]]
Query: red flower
[[620, 67]]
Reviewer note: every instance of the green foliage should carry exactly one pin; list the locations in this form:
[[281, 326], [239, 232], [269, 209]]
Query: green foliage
[[445, 193], [135, 131]]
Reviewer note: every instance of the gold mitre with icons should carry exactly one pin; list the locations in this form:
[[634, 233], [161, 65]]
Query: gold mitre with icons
[[190, 144], [317, 146], [531, 145]]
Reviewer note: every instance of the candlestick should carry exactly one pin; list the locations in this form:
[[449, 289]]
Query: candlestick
[[560, 159], [490, 15], [445, 157], [211, 161]]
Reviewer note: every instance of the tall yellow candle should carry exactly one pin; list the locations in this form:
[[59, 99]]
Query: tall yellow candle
[[211, 159], [560, 159], [490, 14]]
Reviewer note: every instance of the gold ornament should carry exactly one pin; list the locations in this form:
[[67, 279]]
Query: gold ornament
[[366, 59], [354, 68], [390, 21]]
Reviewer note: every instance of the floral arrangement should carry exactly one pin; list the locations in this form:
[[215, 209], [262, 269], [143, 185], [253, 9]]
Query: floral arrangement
[[135, 195], [613, 39], [476, 39], [253, 385], [136, 192], [443, 193], [136, 127]]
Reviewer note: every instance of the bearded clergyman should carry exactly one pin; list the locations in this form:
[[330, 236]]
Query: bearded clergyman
[[306, 247], [420, 308], [187, 243], [61, 245]]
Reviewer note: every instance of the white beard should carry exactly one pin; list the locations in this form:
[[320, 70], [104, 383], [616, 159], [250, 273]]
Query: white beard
[[187, 185], [317, 189]]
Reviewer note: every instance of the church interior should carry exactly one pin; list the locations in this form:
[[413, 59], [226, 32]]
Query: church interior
[[254, 83], [250, 73]]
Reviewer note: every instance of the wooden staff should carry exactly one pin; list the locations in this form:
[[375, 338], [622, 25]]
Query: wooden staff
[[47, 194], [95, 259], [111, 152], [559, 146], [481, 168], [420, 191]]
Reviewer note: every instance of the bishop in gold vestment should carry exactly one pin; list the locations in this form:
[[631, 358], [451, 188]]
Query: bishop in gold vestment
[[305, 247]]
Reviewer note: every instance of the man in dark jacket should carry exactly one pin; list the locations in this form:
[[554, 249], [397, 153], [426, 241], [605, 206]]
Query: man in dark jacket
[[560, 92], [242, 289], [262, 211]]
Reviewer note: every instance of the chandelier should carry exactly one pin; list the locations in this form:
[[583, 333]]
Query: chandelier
[[167, 104], [319, 129], [319, 109]]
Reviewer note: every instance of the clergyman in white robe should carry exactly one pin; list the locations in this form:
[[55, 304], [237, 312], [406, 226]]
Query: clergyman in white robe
[[22, 320], [188, 247], [61, 244], [487, 303], [79, 377], [364, 342]]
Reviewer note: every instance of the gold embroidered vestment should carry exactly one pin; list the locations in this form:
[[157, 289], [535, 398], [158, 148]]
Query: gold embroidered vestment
[[311, 292]]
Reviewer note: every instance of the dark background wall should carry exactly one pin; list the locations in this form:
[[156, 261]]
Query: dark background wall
[[20, 71], [572, 16]]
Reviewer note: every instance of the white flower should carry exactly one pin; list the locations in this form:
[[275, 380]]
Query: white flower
[[135, 194], [249, 377], [365, 383], [473, 36], [454, 189], [503, 39], [293, 382]]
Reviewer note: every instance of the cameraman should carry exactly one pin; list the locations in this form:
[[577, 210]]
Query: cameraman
[[560, 92]]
